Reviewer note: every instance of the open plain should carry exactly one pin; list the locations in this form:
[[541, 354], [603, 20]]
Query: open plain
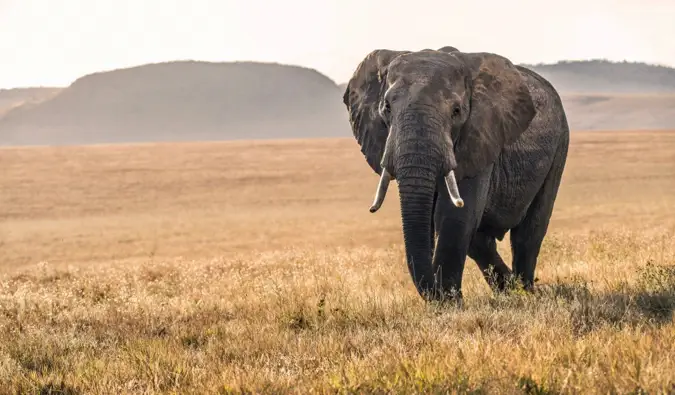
[[256, 267]]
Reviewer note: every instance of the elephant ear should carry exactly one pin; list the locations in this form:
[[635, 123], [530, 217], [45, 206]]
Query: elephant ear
[[362, 97], [501, 110]]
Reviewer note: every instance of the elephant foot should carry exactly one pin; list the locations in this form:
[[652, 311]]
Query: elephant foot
[[498, 277], [448, 298], [515, 283], [526, 284]]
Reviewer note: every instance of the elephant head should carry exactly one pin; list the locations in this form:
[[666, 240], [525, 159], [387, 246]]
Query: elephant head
[[428, 116]]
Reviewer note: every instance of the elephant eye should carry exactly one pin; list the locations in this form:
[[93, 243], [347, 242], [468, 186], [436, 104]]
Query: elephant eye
[[456, 110]]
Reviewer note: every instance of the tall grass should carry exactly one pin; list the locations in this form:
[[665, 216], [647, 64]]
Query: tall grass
[[131, 280]]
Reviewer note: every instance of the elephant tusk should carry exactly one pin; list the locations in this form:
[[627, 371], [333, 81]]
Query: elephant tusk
[[381, 191], [451, 184]]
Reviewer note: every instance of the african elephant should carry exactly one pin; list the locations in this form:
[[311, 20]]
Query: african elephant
[[477, 146]]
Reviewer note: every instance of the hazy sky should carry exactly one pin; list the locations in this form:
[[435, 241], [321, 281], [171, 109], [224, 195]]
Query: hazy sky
[[53, 42]]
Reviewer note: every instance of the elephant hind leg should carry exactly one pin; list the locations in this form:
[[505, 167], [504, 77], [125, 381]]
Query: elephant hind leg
[[528, 236], [483, 250]]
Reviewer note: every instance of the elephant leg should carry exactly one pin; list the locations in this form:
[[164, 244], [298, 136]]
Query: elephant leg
[[527, 237], [455, 228], [483, 250], [449, 258]]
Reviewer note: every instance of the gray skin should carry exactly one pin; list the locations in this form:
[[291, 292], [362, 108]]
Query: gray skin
[[499, 129]]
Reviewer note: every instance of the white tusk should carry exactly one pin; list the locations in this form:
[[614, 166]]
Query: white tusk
[[381, 191], [451, 184]]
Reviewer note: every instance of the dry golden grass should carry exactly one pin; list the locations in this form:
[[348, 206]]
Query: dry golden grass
[[229, 267]]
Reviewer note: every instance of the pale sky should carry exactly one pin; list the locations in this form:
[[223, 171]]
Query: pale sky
[[53, 42]]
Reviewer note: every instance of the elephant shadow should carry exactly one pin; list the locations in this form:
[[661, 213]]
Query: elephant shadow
[[650, 302]]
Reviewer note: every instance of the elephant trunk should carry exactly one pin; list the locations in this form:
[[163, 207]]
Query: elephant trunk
[[417, 164], [416, 191]]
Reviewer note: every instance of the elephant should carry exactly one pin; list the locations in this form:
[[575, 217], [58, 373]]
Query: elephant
[[477, 146]]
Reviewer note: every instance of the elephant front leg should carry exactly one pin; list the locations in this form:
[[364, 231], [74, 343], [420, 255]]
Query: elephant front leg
[[449, 259], [456, 227]]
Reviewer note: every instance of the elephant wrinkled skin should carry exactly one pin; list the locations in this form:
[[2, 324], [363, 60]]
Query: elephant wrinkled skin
[[477, 146]]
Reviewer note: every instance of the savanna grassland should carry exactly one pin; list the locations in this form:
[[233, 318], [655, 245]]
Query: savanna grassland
[[256, 267]]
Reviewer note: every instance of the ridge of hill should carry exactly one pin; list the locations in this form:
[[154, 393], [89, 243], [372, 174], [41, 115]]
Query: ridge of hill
[[181, 101]]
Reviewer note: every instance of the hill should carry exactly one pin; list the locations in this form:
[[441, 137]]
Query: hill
[[190, 100], [604, 95], [183, 100], [11, 98], [602, 76]]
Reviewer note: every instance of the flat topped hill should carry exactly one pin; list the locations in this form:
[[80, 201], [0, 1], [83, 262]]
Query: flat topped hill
[[183, 100]]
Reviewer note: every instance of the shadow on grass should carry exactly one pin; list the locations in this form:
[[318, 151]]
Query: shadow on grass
[[651, 301], [590, 311]]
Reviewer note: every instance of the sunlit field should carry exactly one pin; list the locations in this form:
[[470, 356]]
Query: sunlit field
[[256, 267]]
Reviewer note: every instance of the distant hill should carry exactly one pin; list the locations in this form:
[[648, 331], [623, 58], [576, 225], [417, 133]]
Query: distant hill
[[600, 94], [190, 100], [602, 76], [11, 98], [183, 100]]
